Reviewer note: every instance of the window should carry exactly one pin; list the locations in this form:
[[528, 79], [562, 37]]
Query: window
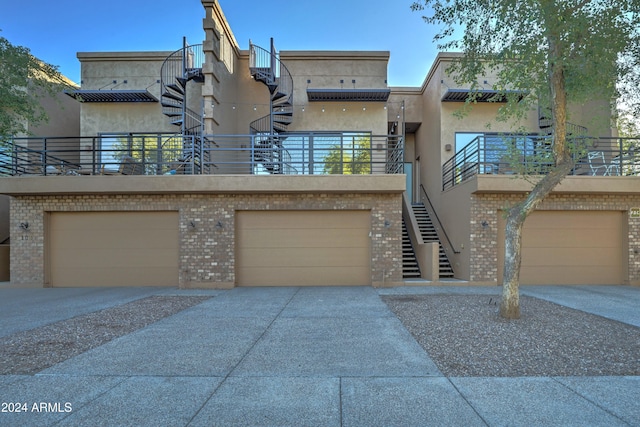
[[504, 153], [155, 151], [464, 138], [347, 153]]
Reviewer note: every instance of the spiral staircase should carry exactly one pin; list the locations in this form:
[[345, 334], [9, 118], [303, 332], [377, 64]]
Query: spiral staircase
[[181, 67], [265, 67]]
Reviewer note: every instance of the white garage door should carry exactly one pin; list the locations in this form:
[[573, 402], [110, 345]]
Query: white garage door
[[298, 248], [113, 249], [569, 247]]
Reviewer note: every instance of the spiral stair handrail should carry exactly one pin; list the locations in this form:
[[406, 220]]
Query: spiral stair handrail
[[180, 67], [266, 67]]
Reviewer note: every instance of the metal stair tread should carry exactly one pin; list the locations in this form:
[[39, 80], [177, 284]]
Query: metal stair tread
[[429, 234], [170, 95], [176, 88]]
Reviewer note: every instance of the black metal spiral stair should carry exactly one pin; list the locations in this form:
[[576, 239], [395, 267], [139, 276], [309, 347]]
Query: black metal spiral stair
[[265, 67], [178, 69]]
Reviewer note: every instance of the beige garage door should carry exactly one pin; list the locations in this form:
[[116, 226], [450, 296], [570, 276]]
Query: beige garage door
[[561, 247], [298, 248], [113, 249]]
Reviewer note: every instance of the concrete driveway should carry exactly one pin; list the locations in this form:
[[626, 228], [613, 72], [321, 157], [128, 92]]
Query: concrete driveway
[[291, 356]]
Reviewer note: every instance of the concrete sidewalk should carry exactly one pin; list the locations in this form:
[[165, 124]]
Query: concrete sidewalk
[[294, 356]]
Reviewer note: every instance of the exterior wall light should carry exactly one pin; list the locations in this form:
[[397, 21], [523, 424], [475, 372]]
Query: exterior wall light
[[219, 225], [192, 224], [24, 226]]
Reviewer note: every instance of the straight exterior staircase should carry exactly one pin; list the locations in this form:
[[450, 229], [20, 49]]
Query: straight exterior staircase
[[429, 234], [265, 67], [410, 268]]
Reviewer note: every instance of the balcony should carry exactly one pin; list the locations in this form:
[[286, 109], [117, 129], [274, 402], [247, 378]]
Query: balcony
[[531, 155], [176, 154]]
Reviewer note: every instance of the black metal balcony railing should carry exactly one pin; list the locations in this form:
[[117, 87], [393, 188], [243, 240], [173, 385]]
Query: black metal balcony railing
[[168, 154], [307, 154], [129, 154], [531, 155]]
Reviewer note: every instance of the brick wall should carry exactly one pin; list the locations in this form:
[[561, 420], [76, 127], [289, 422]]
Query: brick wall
[[485, 207], [206, 251]]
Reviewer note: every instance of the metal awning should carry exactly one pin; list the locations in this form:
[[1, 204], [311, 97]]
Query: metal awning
[[362, 95], [483, 95], [111, 95]]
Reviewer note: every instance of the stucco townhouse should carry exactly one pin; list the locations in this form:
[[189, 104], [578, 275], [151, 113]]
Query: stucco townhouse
[[213, 167]]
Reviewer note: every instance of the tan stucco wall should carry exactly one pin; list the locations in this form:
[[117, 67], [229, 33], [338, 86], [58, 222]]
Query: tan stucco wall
[[251, 100], [100, 118], [176, 184], [63, 115], [141, 70], [411, 99], [455, 214], [428, 138], [333, 118], [223, 73], [325, 70], [207, 257], [595, 115]]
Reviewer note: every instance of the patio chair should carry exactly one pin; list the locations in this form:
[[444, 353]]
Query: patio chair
[[616, 166], [178, 167], [53, 170], [128, 166], [598, 163]]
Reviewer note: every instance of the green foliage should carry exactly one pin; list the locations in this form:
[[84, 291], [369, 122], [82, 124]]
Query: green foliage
[[351, 159], [158, 152], [552, 53], [23, 81], [595, 43], [628, 127]]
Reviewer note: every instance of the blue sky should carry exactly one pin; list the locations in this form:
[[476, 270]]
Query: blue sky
[[56, 30]]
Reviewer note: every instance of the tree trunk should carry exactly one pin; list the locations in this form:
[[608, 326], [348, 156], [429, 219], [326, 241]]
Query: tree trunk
[[510, 305], [516, 215]]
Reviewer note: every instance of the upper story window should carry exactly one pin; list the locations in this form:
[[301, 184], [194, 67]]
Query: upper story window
[[326, 153], [155, 152]]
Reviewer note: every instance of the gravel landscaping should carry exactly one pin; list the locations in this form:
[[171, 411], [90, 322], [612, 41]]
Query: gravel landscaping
[[31, 351], [465, 336]]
